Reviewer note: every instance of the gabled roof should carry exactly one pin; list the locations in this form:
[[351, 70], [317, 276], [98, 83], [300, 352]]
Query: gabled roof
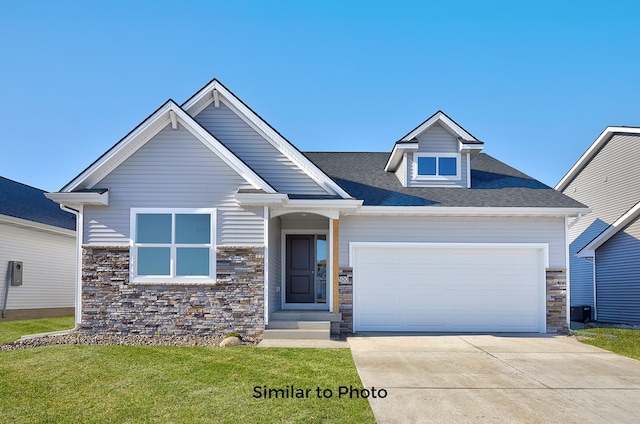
[[410, 141], [613, 229], [443, 119], [595, 147], [168, 114], [494, 184], [27, 203], [215, 91]]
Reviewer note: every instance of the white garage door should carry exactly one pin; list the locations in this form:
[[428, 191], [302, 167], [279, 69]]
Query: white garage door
[[449, 287]]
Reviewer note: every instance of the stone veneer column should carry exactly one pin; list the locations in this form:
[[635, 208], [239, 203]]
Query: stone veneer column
[[111, 304], [556, 300], [345, 293]]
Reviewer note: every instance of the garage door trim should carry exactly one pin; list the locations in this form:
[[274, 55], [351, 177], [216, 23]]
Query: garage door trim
[[542, 248]]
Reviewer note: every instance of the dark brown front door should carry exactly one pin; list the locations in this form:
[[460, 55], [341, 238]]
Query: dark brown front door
[[300, 280]]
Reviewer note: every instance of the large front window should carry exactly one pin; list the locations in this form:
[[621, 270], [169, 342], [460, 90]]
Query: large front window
[[171, 245]]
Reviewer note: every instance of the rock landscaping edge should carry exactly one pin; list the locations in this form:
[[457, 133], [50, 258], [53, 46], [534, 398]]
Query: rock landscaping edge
[[76, 338]]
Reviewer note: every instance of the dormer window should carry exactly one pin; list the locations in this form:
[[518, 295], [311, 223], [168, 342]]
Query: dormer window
[[437, 166]]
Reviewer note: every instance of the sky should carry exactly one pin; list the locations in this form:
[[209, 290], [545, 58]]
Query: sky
[[537, 81]]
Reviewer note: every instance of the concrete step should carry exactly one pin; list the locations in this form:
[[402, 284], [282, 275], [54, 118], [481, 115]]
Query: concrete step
[[299, 325], [296, 334], [305, 315]]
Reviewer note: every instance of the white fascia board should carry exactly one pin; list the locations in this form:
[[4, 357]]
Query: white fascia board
[[79, 198], [331, 208], [260, 199], [396, 155], [38, 226], [612, 230], [443, 119], [591, 151], [204, 98], [469, 147], [467, 211]]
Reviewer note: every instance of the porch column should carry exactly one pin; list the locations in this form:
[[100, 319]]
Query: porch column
[[335, 228]]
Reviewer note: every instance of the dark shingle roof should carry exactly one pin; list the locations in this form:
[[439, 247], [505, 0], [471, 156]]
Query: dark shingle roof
[[493, 184], [22, 201]]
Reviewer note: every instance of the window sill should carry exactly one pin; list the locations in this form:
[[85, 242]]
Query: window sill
[[173, 282]]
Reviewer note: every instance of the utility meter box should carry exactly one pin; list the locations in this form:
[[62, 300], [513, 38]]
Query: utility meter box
[[16, 272]]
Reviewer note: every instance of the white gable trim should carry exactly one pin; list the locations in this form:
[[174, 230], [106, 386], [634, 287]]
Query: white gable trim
[[444, 120], [205, 97], [170, 112], [612, 230], [606, 135]]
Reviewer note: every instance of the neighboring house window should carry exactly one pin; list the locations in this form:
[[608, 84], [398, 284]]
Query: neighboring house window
[[437, 166], [172, 245]]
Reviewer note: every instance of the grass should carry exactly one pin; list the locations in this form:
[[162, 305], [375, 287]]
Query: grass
[[12, 330], [153, 384], [626, 342]]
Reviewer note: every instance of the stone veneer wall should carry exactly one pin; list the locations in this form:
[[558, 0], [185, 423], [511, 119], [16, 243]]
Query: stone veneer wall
[[345, 302], [111, 304], [556, 283], [557, 300]]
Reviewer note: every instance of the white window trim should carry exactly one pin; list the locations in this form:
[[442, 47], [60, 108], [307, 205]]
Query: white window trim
[[172, 279], [437, 177]]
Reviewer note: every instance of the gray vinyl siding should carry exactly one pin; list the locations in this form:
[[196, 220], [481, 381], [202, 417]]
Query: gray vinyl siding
[[173, 170], [618, 276], [401, 172], [454, 230], [275, 265], [49, 268], [437, 140], [610, 185], [255, 151]]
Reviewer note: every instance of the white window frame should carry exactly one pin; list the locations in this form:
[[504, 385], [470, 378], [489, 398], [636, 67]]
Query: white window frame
[[437, 177], [172, 278]]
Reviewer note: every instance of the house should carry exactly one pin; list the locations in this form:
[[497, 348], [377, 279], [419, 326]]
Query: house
[[204, 219], [604, 247], [37, 254]]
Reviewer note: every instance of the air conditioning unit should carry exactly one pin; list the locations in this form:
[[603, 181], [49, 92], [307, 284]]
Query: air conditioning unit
[[581, 313]]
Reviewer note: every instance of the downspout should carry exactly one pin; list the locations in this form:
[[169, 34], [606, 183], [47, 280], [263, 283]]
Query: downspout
[[79, 237], [6, 289]]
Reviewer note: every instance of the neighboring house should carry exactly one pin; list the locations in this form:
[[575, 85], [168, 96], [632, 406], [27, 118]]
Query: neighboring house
[[605, 244], [38, 238], [204, 219]]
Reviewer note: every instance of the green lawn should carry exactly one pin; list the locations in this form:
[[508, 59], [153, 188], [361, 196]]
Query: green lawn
[[626, 342], [134, 384], [13, 330]]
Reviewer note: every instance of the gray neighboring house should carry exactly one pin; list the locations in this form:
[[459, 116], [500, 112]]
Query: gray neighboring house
[[605, 244], [204, 220], [40, 238]]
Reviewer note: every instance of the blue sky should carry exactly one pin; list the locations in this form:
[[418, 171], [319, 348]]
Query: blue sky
[[536, 81]]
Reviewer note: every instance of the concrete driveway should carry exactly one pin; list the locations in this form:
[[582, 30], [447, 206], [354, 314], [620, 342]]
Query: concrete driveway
[[496, 379]]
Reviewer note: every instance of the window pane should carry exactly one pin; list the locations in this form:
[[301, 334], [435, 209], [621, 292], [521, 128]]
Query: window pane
[[193, 228], [447, 166], [193, 261], [154, 261], [153, 228], [426, 166]]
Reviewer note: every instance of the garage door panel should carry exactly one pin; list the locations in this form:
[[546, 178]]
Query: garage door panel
[[448, 289]]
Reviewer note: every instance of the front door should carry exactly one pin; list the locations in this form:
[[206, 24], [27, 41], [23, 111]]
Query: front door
[[300, 269]]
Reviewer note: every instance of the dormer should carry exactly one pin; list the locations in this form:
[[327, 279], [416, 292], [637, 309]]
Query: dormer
[[437, 153]]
